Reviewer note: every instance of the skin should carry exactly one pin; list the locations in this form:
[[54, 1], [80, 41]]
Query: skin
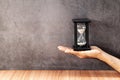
[[95, 52]]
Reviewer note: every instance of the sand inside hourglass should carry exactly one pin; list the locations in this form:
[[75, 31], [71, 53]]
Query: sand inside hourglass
[[81, 40], [81, 31]]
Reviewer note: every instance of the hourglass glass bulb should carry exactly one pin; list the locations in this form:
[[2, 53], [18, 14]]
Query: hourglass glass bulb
[[81, 39]]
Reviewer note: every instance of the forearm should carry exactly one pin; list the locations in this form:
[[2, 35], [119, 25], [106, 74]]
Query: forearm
[[110, 60]]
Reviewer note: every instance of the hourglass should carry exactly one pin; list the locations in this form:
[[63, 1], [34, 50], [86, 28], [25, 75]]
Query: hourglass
[[81, 41]]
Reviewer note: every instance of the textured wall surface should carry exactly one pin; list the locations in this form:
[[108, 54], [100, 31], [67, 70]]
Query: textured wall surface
[[31, 30]]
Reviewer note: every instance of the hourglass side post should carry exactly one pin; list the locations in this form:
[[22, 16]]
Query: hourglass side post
[[87, 35], [75, 36]]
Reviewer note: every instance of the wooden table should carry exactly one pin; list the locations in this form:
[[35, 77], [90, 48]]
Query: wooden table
[[59, 75]]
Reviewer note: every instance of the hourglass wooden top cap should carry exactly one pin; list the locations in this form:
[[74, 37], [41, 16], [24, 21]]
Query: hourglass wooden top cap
[[81, 20]]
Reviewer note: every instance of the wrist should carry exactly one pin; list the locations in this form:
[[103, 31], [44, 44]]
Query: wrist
[[100, 56]]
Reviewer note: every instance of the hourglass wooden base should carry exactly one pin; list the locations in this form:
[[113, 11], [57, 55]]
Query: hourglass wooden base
[[81, 48]]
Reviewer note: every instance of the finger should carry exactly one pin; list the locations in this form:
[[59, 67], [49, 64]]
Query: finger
[[94, 47], [67, 50], [71, 51], [80, 54], [86, 52], [62, 48]]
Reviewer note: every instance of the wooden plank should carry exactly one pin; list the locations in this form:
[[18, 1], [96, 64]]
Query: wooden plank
[[59, 75]]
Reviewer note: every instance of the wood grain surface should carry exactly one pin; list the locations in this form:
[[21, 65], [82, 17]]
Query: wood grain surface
[[59, 75]]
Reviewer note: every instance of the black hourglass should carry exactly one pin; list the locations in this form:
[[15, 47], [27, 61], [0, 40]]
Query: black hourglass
[[81, 37]]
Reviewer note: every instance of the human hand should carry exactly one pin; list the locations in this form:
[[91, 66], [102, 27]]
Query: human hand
[[93, 53]]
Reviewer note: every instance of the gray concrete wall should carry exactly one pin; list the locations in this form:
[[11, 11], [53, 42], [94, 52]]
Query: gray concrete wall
[[31, 30]]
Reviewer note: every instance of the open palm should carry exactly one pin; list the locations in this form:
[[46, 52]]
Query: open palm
[[93, 53]]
